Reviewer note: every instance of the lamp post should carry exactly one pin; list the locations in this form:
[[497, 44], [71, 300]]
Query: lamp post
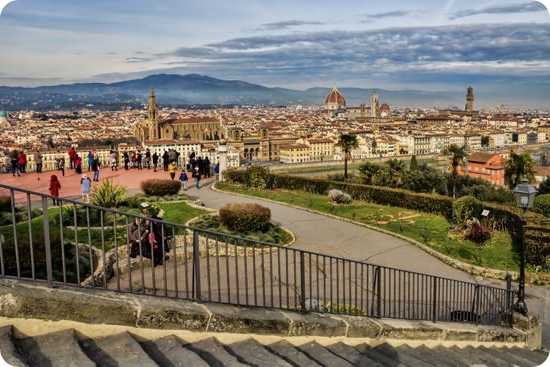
[[524, 195]]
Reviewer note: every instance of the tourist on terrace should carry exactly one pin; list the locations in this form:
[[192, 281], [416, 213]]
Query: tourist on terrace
[[38, 161], [126, 160], [78, 165], [165, 161], [114, 161], [139, 160], [85, 188], [72, 157], [172, 170], [96, 164], [55, 186], [61, 165], [184, 179], [22, 160], [90, 160], [14, 158], [148, 159], [197, 177], [155, 161]]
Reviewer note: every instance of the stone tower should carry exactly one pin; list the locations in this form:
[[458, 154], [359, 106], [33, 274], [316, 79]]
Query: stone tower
[[470, 100], [152, 116], [374, 105]]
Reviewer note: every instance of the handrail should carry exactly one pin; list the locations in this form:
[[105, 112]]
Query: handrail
[[396, 293]]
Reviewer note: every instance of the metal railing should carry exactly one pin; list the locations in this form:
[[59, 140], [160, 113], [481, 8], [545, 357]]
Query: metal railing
[[82, 245]]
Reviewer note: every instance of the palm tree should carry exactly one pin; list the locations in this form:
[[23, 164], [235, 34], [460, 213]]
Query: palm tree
[[457, 159], [347, 142], [517, 168]]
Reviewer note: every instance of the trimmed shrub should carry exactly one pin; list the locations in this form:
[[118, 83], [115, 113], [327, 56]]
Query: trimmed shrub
[[537, 245], [467, 208], [476, 232], [339, 197], [245, 217], [5, 203], [160, 187], [542, 205]]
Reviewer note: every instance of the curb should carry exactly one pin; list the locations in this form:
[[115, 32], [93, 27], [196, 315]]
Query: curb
[[457, 264]]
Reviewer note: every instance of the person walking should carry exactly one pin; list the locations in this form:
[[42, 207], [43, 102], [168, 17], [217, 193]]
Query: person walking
[[61, 165], [85, 188], [139, 160], [172, 170], [165, 162], [155, 161], [55, 186], [72, 157], [96, 164], [197, 177], [148, 159], [126, 158], [114, 164], [90, 160], [184, 179], [22, 161], [78, 165], [39, 162]]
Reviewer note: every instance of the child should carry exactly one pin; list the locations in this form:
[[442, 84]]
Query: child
[[184, 179], [172, 170], [85, 188], [55, 186]]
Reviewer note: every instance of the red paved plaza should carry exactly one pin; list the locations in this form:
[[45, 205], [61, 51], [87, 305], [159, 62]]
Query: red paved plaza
[[70, 184]]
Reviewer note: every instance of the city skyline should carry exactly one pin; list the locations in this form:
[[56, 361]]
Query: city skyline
[[431, 45]]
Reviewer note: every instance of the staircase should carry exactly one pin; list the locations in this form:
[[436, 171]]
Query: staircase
[[123, 349]]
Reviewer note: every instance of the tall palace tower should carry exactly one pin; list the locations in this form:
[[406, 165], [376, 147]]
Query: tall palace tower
[[470, 100]]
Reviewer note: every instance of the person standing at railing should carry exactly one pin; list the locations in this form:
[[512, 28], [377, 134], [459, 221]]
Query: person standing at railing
[[72, 157], [14, 157], [61, 165], [55, 186], [85, 188]]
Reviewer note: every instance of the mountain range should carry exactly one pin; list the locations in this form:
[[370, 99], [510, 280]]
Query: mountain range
[[194, 89]]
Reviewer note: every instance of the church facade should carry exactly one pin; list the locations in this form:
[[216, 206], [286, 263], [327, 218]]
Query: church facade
[[191, 128]]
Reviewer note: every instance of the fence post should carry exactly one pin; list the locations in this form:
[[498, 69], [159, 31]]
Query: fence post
[[47, 244], [196, 265], [434, 299], [302, 281], [509, 300], [377, 275]]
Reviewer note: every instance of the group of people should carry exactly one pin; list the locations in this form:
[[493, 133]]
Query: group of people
[[146, 236]]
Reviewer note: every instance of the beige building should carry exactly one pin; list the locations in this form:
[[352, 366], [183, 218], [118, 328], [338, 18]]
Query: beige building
[[295, 153]]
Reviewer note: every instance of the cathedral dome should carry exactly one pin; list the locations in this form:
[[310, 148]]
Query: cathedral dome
[[335, 100]]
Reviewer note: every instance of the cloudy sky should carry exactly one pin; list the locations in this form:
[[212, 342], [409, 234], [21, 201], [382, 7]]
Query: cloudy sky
[[396, 44]]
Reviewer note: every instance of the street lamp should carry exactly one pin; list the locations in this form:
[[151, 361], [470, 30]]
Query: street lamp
[[525, 196]]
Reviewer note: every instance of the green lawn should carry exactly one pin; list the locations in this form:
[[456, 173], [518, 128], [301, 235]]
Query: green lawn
[[429, 229]]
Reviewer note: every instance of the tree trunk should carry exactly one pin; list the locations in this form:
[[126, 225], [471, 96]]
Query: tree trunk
[[346, 166]]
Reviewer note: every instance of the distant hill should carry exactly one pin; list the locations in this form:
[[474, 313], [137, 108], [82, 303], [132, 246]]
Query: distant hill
[[194, 89]]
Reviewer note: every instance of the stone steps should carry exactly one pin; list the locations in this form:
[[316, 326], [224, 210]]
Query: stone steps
[[71, 348]]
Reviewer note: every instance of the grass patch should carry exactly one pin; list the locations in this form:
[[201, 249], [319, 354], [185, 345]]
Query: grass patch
[[432, 230]]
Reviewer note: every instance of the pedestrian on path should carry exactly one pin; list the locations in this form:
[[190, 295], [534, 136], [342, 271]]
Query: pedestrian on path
[[61, 165], [172, 170], [55, 186], [72, 157], [90, 160], [85, 188], [22, 161], [96, 164], [184, 179], [197, 177], [114, 163], [78, 165], [14, 157], [126, 158], [38, 161], [155, 161]]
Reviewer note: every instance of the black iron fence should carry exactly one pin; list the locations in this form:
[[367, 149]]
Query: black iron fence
[[82, 245]]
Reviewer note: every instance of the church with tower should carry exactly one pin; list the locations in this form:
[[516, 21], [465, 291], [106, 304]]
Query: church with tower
[[197, 128]]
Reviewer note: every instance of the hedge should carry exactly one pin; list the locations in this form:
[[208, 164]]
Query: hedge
[[245, 217], [160, 187]]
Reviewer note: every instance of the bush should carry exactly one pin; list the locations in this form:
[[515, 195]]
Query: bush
[[160, 187], [245, 217], [108, 195], [467, 208], [476, 232], [537, 245], [5, 203], [339, 197], [542, 205]]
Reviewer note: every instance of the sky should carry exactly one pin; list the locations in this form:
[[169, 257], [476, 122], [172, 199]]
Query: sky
[[397, 44]]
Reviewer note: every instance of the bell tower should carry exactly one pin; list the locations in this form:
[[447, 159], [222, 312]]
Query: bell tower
[[152, 116]]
